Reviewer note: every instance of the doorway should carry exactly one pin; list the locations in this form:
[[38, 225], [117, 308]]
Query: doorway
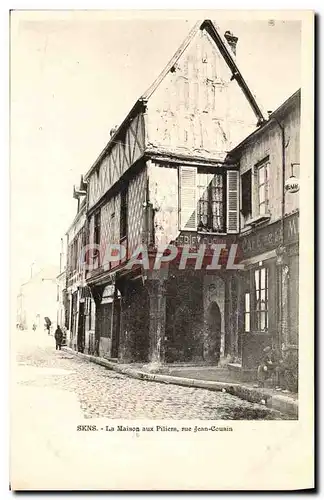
[[81, 329], [115, 328], [214, 333]]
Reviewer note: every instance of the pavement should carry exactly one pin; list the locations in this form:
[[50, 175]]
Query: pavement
[[210, 378], [54, 393]]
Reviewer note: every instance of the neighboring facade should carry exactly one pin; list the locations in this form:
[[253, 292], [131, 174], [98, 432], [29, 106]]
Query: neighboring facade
[[266, 293], [62, 303], [194, 162], [37, 299], [76, 240], [61, 299]]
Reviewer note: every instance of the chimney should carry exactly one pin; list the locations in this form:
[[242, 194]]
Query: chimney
[[113, 130], [231, 40]]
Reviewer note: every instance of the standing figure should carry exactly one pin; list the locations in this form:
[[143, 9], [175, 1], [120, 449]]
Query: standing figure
[[58, 337], [48, 324], [267, 367]]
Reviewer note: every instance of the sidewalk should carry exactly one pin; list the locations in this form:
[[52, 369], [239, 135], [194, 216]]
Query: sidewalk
[[202, 377]]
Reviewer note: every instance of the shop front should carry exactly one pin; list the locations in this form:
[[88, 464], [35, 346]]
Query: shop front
[[268, 295]]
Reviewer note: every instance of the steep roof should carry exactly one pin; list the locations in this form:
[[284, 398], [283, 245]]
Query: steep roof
[[229, 58], [226, 52], [293, 100]]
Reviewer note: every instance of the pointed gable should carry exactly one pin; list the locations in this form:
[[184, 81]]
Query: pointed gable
[[201, 103]]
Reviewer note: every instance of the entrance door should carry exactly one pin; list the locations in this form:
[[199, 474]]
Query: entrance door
[[115, 329], [214, 322], [81, 329]]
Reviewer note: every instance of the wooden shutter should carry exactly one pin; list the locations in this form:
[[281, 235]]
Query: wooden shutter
[[188, 198], [233, 201]]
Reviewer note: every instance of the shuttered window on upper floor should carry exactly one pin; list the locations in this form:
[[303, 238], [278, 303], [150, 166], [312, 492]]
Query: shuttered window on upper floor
[[188, 198], [232, 196], [208, 202]]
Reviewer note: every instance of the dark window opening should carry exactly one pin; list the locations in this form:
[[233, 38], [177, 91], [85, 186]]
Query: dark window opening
[[123, 214], [247, 194], [96, 236], [211, 199]]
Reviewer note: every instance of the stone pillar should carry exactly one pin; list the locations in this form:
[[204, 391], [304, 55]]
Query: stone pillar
[[156, 286], [283, 276], [125, 343], [97, 292]]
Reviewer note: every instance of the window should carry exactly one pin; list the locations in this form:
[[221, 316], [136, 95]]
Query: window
[[247, 194], [123, 214], [261, 298], [97, 223], [263, 180], [210, 207], [208, 201], [96, 234], [247, 312]]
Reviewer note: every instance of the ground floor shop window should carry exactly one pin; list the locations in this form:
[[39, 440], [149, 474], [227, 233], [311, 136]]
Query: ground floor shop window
[[247, 312], [255, 301], [261, 298]]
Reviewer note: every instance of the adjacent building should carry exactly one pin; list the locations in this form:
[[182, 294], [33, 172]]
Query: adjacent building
[[62, 303], [195, 161], [79, 302], [266, 294], [37, 299]]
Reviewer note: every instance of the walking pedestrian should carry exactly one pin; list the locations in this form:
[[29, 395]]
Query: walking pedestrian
[[58, 338]]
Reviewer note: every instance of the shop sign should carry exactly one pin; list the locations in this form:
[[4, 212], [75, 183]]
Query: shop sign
[[270, 237]]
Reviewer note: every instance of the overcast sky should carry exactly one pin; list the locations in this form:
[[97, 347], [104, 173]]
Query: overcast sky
[[74, 77]]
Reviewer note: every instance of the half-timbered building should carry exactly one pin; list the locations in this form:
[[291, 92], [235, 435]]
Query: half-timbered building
[[166, 177]]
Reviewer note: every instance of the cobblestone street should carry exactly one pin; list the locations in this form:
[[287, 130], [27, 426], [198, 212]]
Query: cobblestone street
[[104, 393], [55, 393]]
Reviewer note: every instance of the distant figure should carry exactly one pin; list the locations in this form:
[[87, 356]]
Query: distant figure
[[58, 338], [34, 327], [48, 325]]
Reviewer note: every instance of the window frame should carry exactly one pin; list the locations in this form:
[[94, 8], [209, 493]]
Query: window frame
[[247, 214], [257, 290], [97, 227], [209, 201], [263, 165], [247, 312]]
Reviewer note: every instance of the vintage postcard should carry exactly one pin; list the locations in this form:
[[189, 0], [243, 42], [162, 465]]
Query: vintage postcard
[[162, 250]]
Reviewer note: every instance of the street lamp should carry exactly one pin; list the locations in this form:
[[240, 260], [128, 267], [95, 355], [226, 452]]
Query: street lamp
[[292, 184]]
